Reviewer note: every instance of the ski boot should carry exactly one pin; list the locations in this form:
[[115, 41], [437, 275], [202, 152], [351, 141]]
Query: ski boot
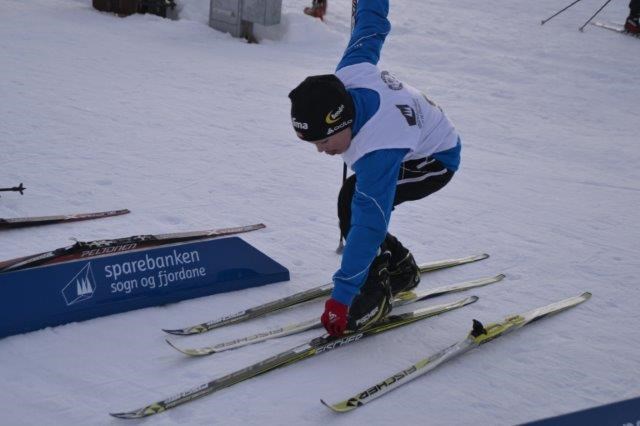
[[374, 301], [405, 275], [317, 9], [632, 25]]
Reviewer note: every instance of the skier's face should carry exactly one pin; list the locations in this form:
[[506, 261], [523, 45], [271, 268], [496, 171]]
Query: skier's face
[[335, 144]]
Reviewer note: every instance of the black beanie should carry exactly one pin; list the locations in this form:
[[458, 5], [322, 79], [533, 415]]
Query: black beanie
[[320, 107]]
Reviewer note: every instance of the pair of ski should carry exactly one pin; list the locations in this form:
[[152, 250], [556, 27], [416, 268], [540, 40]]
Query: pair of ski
[[314, 346], [479, 335], [312, 294], [90, 249], [401, 299]]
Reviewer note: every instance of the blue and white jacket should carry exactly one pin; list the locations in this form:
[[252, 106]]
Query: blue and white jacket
[[393, 123]]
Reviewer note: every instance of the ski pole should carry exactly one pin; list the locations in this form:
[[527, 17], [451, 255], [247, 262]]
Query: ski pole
[[340, 248], [594, 15], [20, 188], [544, 21]]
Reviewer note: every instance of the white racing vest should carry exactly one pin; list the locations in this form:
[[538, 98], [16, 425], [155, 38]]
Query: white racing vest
[[406, 118]]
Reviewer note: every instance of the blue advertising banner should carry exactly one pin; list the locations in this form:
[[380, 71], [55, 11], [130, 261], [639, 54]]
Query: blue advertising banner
[[622, 413], [46, 296]]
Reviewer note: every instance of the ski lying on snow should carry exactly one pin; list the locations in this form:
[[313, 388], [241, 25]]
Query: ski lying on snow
[[479, 335], [88, 249], [22, 222], [313, 347], [614, 27], [401, 299], [301, 297]]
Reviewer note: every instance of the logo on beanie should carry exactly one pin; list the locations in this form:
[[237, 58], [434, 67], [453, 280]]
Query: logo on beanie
[[333, 117], [332, 130], [299, 125]]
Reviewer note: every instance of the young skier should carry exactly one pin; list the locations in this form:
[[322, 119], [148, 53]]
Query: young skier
[[401, 147], [632, 23]]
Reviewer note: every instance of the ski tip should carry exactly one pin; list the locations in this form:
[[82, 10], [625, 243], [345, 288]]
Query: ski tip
[[190, 331], [344, 406], [115, 212], [475, 257], [466, 301], [247, 228], [128, 415], [123, 415], [170, 343], [191, 352], [143, 412], [326, 404], [176, 332], [333, 408], [586, 295]]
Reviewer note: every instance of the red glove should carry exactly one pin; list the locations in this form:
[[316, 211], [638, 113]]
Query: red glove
[[334, 317]]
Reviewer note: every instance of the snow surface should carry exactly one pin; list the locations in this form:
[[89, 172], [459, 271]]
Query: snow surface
[[189, 128]]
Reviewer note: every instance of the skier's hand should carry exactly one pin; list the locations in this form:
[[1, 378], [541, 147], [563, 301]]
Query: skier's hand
[[334, 318]]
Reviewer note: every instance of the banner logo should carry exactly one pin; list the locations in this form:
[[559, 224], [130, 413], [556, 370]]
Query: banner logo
[[81, 287]]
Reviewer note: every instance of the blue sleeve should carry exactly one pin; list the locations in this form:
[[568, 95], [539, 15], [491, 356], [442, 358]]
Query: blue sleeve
[[450, 158], [366, 103], [376, 180], [369, 33]]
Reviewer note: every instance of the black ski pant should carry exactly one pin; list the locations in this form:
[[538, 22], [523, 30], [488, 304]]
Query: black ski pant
[[634, 7], [417, 179]]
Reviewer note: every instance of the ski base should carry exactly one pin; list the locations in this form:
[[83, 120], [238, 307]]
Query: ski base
[[314, 347], [479, 335]]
